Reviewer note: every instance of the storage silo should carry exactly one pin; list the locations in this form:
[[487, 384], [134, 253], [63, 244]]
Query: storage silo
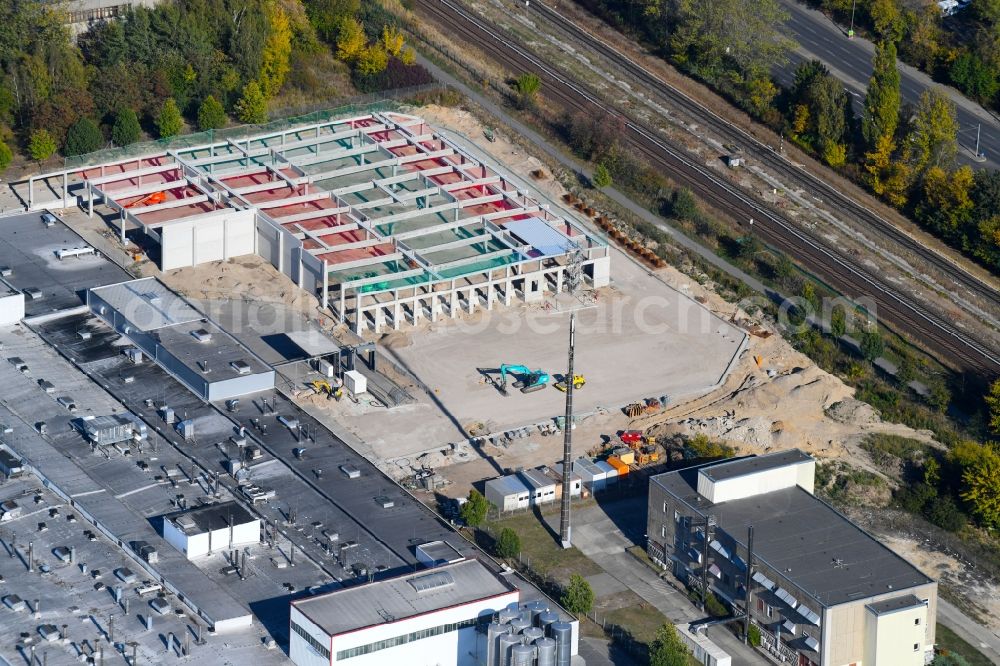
[[493, 633], [546, 619], [507, 614], [562, 632], [536, 608], [532, 634], [504, 645], [522, 655], [519, 625], [546, 648]]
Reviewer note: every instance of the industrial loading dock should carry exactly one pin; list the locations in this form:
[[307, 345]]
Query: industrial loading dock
[[379, 216]]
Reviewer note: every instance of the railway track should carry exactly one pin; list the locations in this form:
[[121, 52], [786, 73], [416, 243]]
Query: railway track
[[774, 161], [834, 267]]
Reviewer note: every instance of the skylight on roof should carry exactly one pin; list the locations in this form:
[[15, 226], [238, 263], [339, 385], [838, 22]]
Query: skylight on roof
[[432, 581]]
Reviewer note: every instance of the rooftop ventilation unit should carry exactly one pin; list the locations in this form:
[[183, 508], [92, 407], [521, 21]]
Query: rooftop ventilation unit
[[34, 293], [241, 367], [201, 335]]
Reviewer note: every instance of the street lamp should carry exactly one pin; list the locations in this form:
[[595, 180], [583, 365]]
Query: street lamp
[[850, 33]]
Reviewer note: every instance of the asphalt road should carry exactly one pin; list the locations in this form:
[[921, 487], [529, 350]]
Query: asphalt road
[[851, 61]]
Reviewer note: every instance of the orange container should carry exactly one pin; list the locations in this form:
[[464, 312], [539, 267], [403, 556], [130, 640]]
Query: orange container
[[617, 463]]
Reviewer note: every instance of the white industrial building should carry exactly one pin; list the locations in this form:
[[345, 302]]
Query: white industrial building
[[181, 340], [210, 529], [822, 591], [430, 618], [529, 488]]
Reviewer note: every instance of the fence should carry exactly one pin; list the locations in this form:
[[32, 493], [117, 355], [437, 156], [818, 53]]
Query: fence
[[288, 118]]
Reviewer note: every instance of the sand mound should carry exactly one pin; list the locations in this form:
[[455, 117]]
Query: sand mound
[[853, 412]]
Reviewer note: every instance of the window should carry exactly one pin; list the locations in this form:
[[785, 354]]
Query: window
[[665, 507], [916, 647], [770, 611], [313, 643], [677, 516], [916, 622], [663, 531], [400, 640]]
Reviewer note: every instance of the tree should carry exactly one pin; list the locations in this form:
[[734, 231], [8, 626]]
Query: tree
[[169, 122], [6, 156], [667, 648], [327, 16], [838, 322], [992, 399], [351, 40], [882, 101], [578, 597], [509, 544], [947, 202], [974, 77], [392, 40], [886, 19], [41, 145], [83, 136], [125, 129], [872, 345], [934, 131], [944, 512], [728, 35], [252, 106], [527, 86], [602, 177], [211, 115], [277, 50], [888, 177], [474, 511], [981, 481], [372, 60]]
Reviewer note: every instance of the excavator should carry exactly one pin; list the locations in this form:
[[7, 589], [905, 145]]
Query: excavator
[[579, 381], [323, 386], [148, 200], [526, 379]]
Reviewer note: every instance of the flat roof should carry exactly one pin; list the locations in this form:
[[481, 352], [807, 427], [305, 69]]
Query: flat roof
[[897, 604], [803, 539], [210, 517], [148, 304], [731, 469], [394, 599], [169, 318], [440, 551], [508, 485], [536, 478], [28, 248]]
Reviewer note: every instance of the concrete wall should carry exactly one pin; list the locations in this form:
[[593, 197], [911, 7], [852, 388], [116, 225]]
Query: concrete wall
[[896, 638], [213, 237], [454, 648], [243, 385], [11, 308]]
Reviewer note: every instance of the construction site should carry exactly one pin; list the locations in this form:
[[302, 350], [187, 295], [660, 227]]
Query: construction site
[[311, 335]]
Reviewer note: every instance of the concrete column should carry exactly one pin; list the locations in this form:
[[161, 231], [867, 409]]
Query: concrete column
[[123, 227], [326, 277], [397, 315], [379, 313], [454, 302], [473, 300], [343, 306], [31, 192], [90, 192], [359, 321], [435, 307], [559, 280], [490, 296]]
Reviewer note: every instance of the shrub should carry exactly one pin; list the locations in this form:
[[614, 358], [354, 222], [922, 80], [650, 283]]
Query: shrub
[[509, 544], [169, 122], [83, 136], [753, 636], [578, 597], [944, 512], [602, 178], [474, 511], [211, 115], [126, 128], [252, 107], [41, 145], [6, 156]]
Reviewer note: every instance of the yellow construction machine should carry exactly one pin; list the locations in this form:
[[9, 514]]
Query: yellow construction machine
[[579, 381], [323, 386]]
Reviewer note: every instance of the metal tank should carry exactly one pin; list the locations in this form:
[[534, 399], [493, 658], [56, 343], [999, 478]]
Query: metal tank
[[519, 625], [506, 615], [504, 645], [546, 619], [522, 655], [493, 633], [562, 632], [536, 608], [546, 648], [532, 634]]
